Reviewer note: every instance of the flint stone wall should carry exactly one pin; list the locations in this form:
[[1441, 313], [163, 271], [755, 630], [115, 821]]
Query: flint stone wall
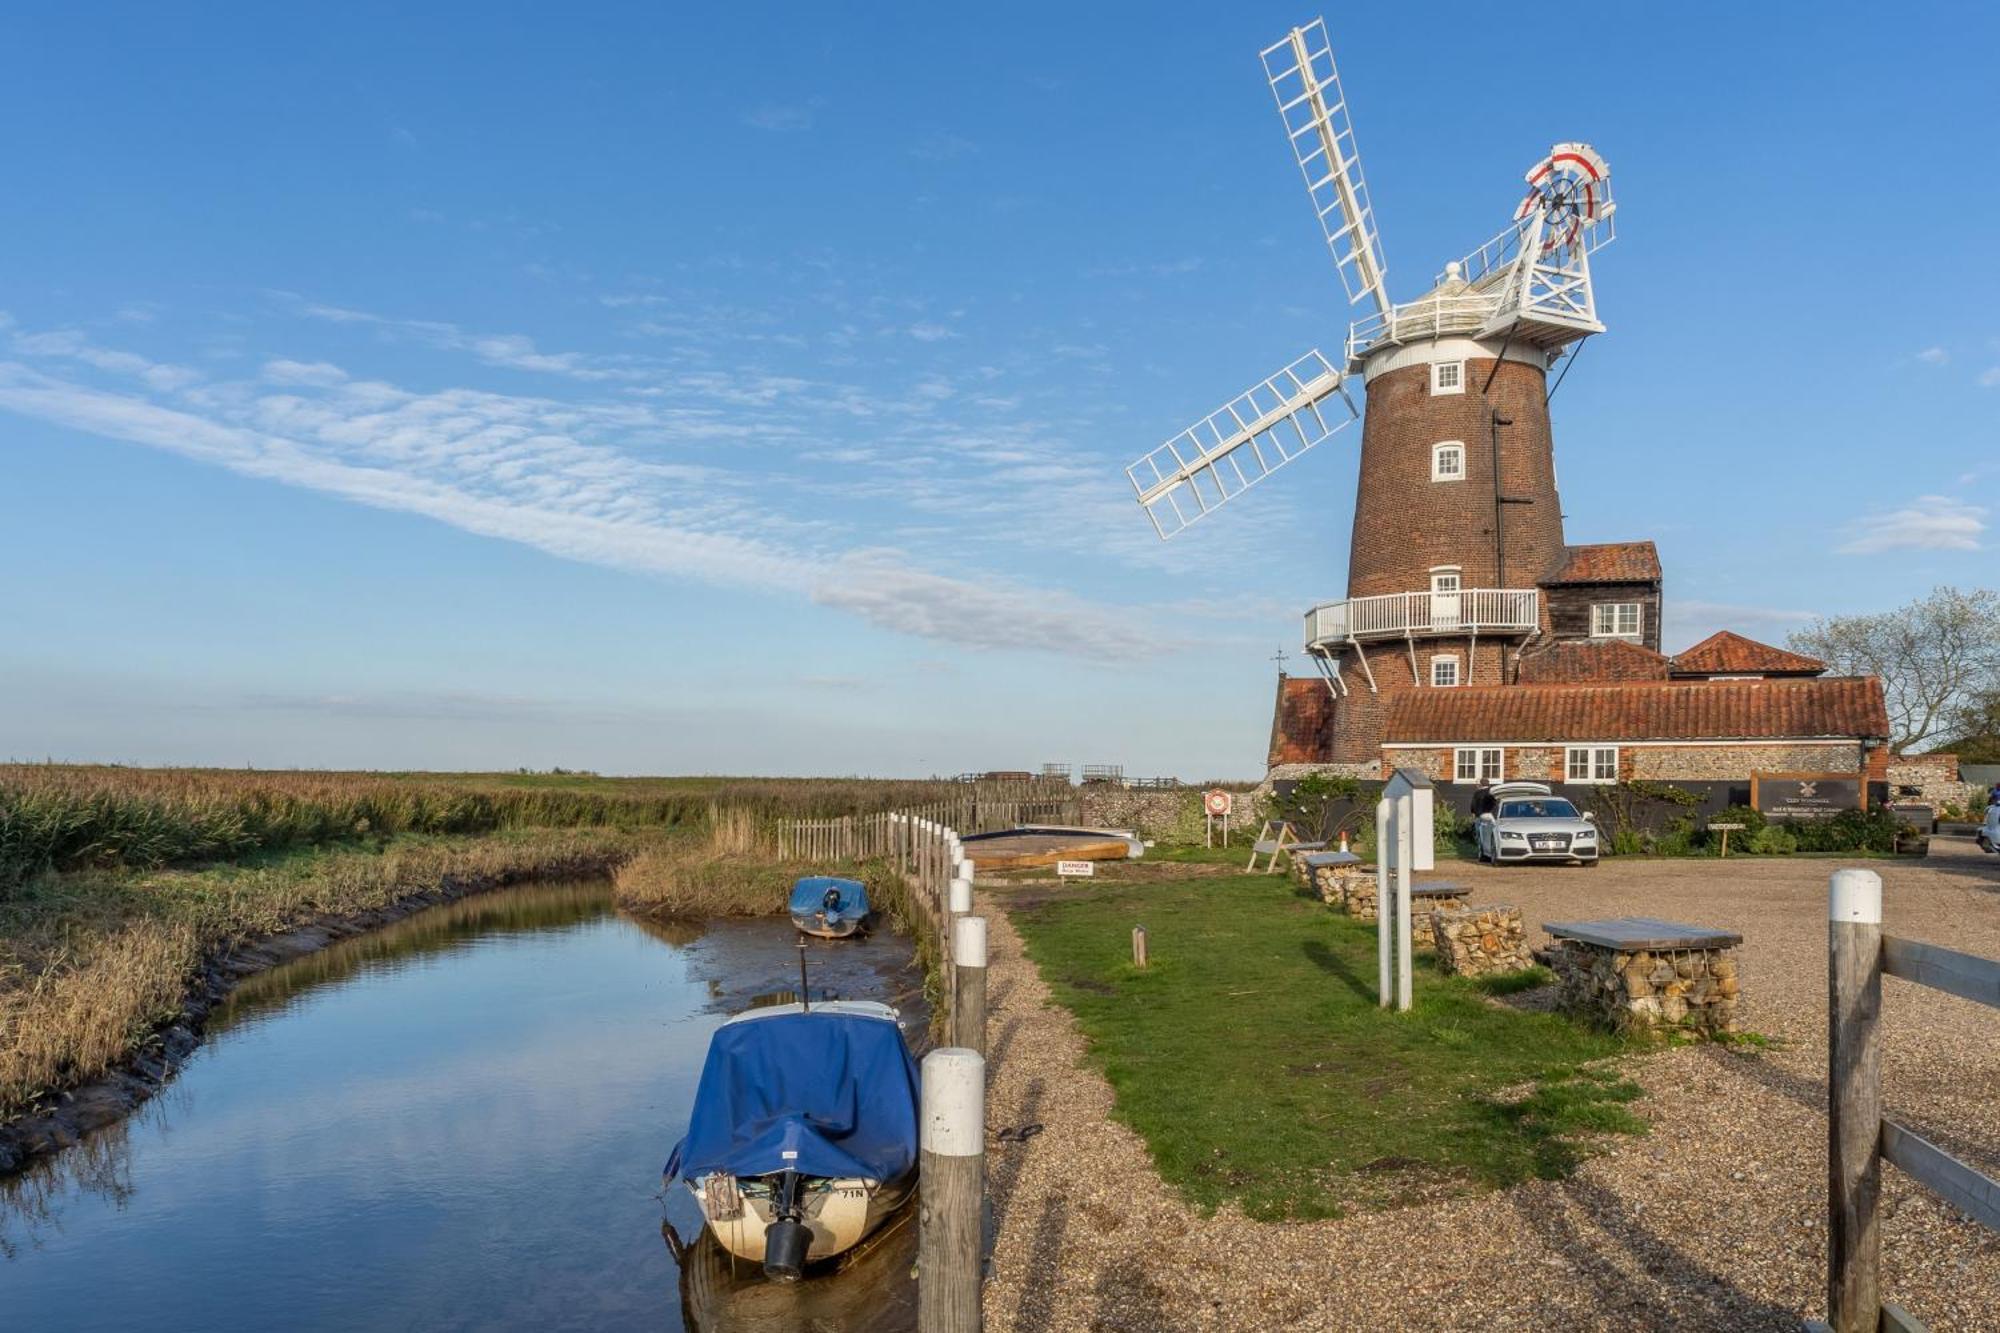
[[1475, 941], [1695, 990]]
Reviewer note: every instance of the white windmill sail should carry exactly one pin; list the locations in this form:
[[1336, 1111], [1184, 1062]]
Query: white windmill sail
[[1303, 78], [1246, 440]]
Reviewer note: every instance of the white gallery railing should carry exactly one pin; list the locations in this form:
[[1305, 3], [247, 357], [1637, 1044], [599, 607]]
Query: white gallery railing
[[1401, 614]]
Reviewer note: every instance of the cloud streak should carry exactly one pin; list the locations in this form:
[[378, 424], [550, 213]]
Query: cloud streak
[[648, 486], [1928, 523]]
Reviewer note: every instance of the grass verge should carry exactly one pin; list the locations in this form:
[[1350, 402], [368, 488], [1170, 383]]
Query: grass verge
[[1252, 1057]]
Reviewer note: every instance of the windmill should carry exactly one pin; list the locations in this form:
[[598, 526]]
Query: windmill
[[1527, 290]]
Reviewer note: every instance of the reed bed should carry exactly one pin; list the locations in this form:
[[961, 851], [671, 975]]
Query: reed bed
[[65, 817], [93, 965]]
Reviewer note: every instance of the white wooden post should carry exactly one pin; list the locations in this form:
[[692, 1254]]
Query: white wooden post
[[968, 1007], [953, 1168], [1385, 855], [1854, 1101]]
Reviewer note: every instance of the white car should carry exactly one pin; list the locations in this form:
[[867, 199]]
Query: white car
[[1529, 823], [1989, 832]]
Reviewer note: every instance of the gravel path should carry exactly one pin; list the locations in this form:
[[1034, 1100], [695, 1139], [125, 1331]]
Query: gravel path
[[1715, 1220]]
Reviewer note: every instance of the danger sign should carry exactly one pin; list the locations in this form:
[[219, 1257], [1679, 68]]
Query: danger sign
[[1218, 802]]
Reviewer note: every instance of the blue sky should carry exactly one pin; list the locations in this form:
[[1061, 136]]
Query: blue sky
[[746, 388]]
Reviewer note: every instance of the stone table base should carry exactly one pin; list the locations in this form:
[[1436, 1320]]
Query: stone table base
[[1477, 941]]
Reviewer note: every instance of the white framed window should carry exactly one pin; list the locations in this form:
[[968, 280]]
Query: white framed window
[[1477, 763], [1444, 670], [1447, 377], [1592, 763], [1448, 460], [1445, 578], [1615, 620]]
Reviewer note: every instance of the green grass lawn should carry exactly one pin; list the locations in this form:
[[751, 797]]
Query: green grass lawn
[[1252, 1056]]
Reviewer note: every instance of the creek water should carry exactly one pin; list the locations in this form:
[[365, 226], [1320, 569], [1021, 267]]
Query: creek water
[[455, 1122]]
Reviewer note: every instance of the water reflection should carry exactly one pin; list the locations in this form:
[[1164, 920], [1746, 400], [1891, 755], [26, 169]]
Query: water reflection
[[455, 1122]]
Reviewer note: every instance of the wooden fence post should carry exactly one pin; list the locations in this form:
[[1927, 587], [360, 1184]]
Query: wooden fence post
[[1139, 946], [1854, 1101], [953, 1141], [968, 1006]]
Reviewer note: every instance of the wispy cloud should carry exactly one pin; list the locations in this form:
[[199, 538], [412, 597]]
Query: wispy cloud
[[927, 332], [649, 484], [1990, 378], [942, 146], [1928, 523], [779, 119], [1934, 356], [1690, 620]]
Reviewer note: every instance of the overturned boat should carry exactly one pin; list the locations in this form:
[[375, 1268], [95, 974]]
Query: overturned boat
[[803, 1137], [829, 906]]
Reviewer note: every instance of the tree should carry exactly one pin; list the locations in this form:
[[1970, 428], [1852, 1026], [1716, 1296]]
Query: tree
[[1935, 657], [1975, 729]]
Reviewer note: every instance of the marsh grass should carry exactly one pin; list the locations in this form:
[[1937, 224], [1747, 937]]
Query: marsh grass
[[92, 965], [82, 817]]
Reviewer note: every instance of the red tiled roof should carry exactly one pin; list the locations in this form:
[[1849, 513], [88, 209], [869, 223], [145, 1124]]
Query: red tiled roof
[[1302, 730], [1609, 562], [1576, 661], [1723, 653], [1660, 710]]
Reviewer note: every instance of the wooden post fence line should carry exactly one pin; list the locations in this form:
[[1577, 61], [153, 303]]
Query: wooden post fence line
[[983, 808], [1859, 1136]]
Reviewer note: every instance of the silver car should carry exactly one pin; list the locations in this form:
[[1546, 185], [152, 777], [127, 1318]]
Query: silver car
[[1529, 823], [1989, 832]]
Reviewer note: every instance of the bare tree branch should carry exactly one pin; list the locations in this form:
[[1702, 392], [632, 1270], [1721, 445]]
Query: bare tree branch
[[1934, 657]]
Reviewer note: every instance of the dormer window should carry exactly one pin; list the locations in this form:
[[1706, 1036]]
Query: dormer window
[[1448, 461], [1447, 377]]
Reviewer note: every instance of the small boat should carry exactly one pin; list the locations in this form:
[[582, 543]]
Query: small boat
[[803, 1137], [828, 906]]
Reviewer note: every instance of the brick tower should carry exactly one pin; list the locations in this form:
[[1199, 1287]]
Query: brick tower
[[1456, 522]]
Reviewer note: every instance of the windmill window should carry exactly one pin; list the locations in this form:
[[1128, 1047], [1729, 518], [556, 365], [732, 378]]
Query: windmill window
[[1444, 670], [1448, 377], [1615, 620], [1448, 461]]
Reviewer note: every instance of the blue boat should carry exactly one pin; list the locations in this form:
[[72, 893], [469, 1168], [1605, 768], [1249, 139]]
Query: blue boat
[[803, 1137], [828, 906]]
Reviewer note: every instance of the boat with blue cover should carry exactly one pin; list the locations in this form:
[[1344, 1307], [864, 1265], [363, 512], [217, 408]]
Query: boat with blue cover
[[829, 906], [803, 1136]]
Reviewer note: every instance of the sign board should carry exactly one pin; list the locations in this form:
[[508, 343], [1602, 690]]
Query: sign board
[[1069, 869], [1217, 802], [1806, 795]]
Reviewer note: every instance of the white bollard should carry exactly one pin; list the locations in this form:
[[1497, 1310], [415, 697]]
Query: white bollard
[[953, 1167], [961, 896], [967, 869], [1854, 1100]]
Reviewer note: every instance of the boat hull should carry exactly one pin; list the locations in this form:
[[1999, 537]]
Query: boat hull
[[839, 1214], [825, 928]]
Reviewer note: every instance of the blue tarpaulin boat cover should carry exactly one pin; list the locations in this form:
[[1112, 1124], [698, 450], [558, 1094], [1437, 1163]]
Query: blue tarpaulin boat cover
[[837, 1090], [809, 895]]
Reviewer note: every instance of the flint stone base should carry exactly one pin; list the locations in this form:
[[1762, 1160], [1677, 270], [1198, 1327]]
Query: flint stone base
[[1476, 941], [1649, 991]]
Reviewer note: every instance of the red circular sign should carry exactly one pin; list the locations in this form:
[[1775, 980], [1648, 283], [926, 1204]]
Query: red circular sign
[[1218, 802]]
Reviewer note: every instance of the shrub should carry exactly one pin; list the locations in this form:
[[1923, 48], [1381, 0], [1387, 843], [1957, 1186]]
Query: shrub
[[1772, 840]]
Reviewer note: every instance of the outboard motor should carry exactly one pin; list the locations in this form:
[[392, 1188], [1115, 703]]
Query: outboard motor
[[832, 901], [787, 1238]]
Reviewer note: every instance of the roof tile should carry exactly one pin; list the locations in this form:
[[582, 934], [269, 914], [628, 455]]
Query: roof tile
[[1642, 710], [1609, 562], [1724, 653]]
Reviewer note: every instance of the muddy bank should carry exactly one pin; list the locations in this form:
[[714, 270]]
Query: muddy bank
[[76, 1112]]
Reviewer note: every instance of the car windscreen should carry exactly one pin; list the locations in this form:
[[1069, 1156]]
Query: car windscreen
[[1554, 808]]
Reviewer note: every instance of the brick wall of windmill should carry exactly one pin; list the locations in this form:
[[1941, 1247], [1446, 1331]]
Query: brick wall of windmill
[[1406, 524]]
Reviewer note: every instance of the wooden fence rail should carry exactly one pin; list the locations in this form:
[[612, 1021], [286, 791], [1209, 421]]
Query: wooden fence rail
[[983, 808], [1859, 1136]]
